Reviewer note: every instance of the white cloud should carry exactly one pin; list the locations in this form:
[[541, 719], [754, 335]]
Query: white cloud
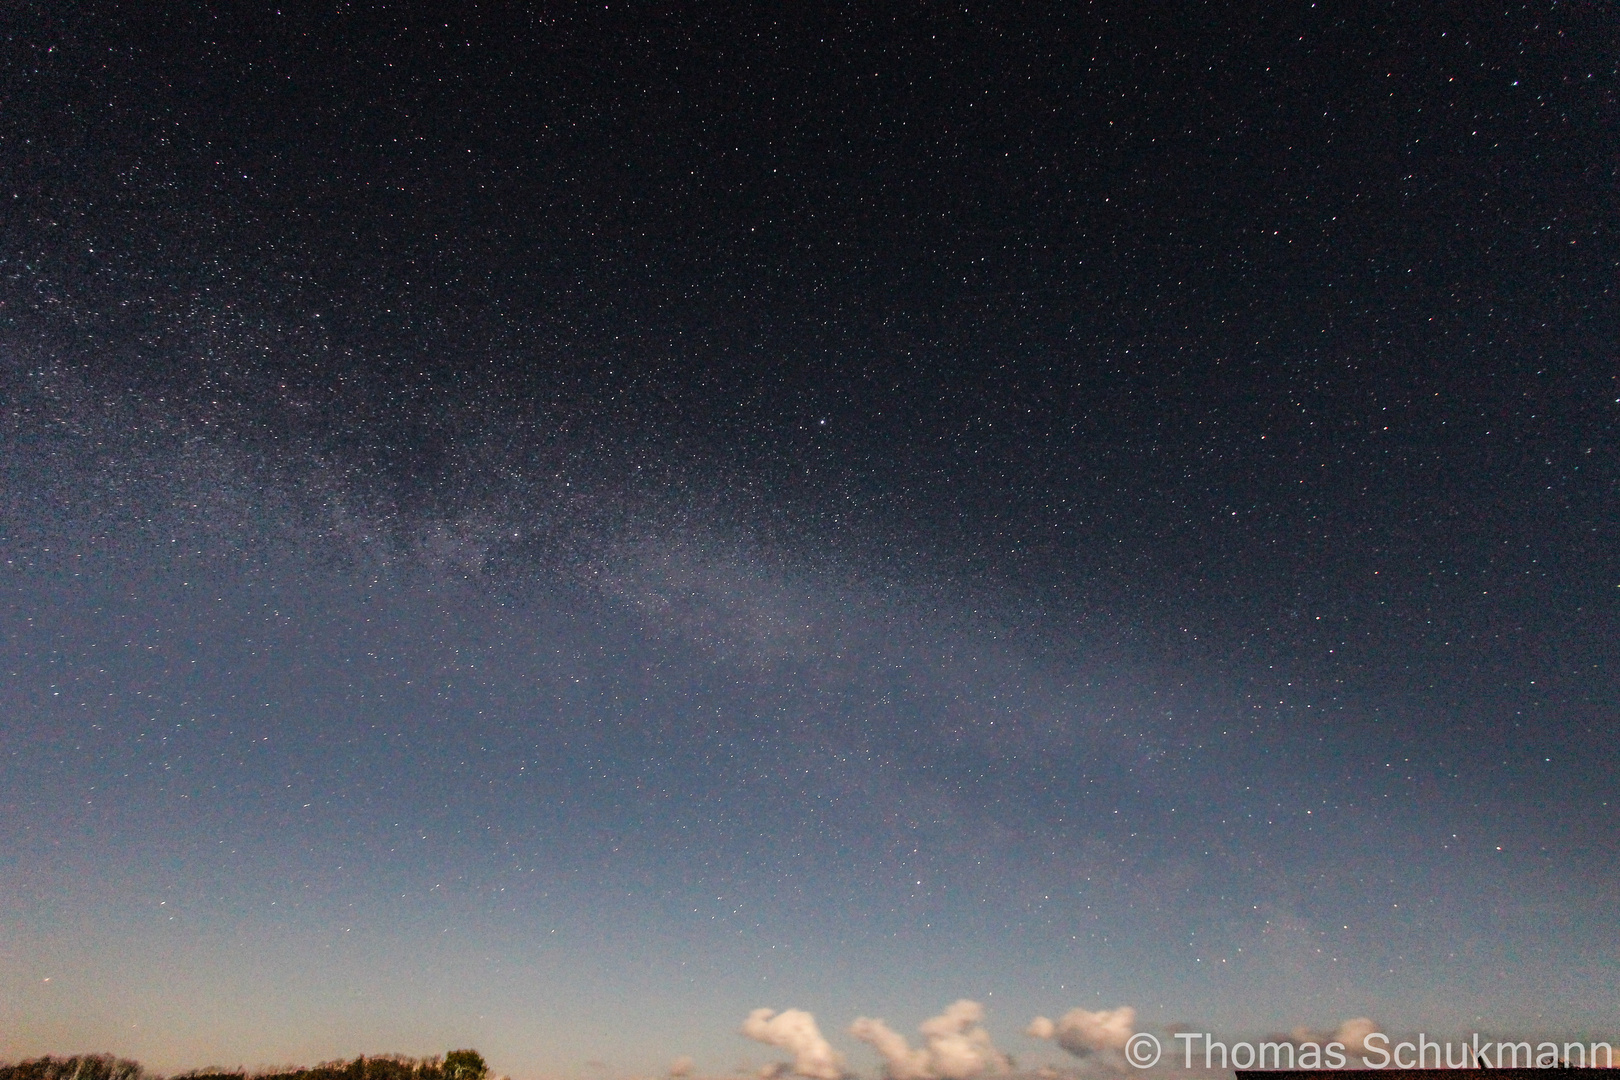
[[955, 1046], [900, 1061], [682, 1066], [1082, 1033], [1351, 1033], [795, 1030]]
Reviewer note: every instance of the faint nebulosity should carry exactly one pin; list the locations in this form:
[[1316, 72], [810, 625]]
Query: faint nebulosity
[[907, 541]]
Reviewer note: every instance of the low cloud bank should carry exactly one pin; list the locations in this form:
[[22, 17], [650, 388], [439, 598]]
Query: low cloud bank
[[1084, 1033], [955, 1046], [795, 1030]]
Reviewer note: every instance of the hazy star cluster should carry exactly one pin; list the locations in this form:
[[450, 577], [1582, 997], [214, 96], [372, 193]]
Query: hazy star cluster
[[607, 535]]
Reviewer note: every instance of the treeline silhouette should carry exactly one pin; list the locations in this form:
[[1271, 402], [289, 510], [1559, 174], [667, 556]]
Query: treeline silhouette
[[456, 1065]]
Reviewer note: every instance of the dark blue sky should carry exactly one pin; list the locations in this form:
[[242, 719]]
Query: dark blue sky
[[551, 531]]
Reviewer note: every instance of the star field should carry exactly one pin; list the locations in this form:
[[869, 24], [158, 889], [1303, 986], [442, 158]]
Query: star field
[[555, 528]]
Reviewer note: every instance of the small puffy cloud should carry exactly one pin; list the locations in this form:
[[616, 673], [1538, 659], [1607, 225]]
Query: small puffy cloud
[[900, 1061], [1351, 1033], [960, 1048], [681, 1067], [795, 1030], [1082, 1033], [955, 1046]]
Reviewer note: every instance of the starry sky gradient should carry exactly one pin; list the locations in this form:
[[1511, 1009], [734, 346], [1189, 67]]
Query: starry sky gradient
[[548, 528]]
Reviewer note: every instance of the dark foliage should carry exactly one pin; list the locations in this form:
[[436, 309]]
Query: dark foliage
[[78, 1067], [456, 1065], [465, 1065]]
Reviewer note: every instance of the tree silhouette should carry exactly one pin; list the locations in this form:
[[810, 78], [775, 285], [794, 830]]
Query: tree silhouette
[[465, 1065]]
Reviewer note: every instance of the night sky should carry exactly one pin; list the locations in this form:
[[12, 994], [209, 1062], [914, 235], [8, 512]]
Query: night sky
[[550, 528]]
